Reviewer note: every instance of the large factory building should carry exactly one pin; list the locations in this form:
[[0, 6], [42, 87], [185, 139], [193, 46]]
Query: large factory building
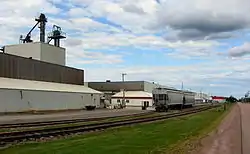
[[33, 76]]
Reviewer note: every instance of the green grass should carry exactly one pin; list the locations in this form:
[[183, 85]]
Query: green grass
[[156, 137], [193, 142]]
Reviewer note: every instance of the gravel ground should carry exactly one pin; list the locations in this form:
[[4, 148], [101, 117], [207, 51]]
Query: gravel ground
[[67, 115], [226, 139], [245, 115]]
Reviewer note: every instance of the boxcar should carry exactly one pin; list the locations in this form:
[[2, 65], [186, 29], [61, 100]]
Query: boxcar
[[165, 98]]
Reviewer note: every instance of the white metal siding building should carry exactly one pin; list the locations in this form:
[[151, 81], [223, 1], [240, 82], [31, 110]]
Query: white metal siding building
[[202, 98], [25, 95], [133, 98]]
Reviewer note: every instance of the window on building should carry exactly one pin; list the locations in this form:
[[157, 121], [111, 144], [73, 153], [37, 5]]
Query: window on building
[[118, 101], [127, 101]]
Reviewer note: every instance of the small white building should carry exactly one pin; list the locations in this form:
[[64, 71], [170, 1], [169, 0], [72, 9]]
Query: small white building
[[202, 98], [133, 99], [25, 95]]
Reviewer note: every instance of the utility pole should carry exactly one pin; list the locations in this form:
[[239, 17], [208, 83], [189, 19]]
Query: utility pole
[[183, 97], [123, 92], [201, 95]]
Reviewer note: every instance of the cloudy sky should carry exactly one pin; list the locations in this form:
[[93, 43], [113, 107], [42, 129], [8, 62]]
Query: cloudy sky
[[202, 43]]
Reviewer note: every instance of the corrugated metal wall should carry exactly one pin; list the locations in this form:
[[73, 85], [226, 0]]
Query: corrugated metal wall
[[23, 68], [26, 100]]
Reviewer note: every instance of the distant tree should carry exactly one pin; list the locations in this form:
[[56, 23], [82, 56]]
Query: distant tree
[[231, 99], [246, 100], [241, 99]]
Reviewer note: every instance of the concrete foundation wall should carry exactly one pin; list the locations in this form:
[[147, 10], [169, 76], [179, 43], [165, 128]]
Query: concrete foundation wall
[[24, 100]]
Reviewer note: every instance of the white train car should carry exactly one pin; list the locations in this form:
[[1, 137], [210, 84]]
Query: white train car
[[166, 98]]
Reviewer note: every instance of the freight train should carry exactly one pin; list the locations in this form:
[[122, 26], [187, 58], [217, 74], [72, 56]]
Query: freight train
[[165, 98]]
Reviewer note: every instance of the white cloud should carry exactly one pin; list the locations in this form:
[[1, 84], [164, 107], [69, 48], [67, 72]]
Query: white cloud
[[18, 15], [118, 13], [240, 51], [206, 76], [76, 56], [200, 19], [185, 25], [104, 40], [190, 19]]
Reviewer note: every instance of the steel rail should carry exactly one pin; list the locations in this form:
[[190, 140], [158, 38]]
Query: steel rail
[[19, 136], [69, 121]]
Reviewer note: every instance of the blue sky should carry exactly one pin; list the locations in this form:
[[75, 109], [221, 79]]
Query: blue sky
[[166, 41]]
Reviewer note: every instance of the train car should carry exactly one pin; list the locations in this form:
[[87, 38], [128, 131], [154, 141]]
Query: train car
[[165, 98], [189, 99]]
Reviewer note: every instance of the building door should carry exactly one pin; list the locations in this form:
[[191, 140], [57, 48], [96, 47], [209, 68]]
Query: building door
[[145, 104]]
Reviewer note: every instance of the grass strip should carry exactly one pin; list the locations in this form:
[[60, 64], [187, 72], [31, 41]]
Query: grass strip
[[193, 143], [157, 137]]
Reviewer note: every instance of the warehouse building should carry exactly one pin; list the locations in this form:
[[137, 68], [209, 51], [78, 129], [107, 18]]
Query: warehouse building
[[25, 95], [137, 92]]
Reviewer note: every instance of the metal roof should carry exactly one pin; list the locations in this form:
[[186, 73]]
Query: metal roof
[[117, 86], [9, 83]]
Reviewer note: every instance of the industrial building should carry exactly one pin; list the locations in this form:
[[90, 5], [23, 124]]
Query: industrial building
[[33, 76], [17, 67], [136, 92], [26, 95]]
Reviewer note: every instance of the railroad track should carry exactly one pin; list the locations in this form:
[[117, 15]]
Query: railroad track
[[20, 136], [70, 121]]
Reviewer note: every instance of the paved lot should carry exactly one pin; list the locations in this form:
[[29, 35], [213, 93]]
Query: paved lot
[[233, 134], [67, 115]]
